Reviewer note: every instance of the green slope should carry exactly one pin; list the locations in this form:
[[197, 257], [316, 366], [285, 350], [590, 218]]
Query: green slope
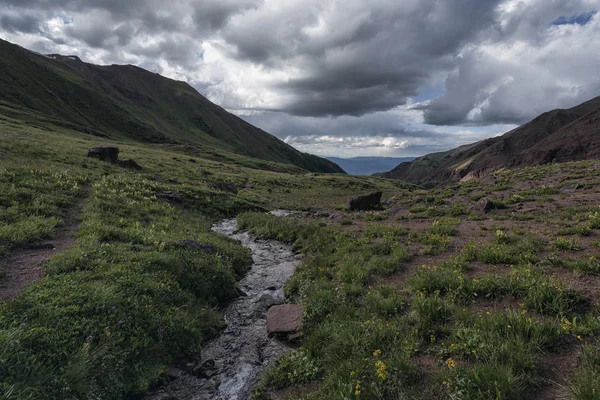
[[130, 104]]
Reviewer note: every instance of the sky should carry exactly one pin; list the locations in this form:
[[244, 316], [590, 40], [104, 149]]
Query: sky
[[343, 77]]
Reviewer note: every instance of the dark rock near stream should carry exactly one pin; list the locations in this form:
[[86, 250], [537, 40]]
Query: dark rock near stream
[[362, 203], [105, 153], [270, 300]]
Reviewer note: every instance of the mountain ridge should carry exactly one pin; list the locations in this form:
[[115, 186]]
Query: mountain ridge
[[126, 102], [558, 135]]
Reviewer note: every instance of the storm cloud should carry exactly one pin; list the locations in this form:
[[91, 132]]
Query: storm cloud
[[354, 77]]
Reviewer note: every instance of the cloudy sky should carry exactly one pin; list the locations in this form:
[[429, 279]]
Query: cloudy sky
[[343, 77]]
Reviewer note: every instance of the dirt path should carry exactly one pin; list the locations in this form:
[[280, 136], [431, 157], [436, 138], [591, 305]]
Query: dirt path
[[24, 264]]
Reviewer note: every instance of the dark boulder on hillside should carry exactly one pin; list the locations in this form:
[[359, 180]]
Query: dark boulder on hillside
[[483, 205], [129, 164], [104, 153], [366, 202]]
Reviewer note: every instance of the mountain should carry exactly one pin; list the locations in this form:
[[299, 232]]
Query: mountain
[[124, 102], [555, 136], [368, 165]]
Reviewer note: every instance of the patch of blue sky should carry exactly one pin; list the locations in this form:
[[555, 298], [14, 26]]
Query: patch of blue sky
[[581, 19]]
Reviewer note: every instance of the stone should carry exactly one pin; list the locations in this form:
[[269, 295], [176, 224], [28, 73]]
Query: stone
[[174, 373], [268, 300], [2, 154], [284, 319], [206, 248], [104, 153], [484, 205], [129, 163], [225, 187], [205, 370], [366, 202]]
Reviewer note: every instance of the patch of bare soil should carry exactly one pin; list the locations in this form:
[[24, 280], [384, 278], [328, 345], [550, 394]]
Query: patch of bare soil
[[556, 370], [24, 265]]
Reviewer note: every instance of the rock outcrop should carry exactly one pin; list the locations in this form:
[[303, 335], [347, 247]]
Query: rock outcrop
[[105, 153], [366, 202]]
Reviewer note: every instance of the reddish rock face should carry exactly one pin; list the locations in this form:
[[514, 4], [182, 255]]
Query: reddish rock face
[[286, 318]]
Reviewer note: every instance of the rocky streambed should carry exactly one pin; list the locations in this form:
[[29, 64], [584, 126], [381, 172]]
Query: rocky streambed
[[232, 362]]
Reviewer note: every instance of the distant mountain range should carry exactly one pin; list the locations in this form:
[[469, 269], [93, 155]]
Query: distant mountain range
[[555, 136], [124, 102], [368, 165]]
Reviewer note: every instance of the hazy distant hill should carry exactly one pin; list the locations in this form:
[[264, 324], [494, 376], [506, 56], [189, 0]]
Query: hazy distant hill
[[558, 135], [129, 103], [368, 165]]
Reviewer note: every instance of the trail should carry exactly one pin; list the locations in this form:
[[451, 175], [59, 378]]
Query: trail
[[24, 264], [232, 362]]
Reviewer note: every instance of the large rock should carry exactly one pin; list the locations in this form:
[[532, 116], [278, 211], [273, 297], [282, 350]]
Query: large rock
[[367, 202], [484, 205], [284, 319], [105, 153]]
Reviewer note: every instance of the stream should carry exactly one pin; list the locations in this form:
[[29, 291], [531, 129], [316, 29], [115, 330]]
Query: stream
[[232, 362]]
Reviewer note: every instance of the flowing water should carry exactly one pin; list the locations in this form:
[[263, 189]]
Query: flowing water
[[232, 362]]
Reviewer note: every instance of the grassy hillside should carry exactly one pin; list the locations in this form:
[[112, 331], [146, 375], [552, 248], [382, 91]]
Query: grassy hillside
[[129, 103], [558, 135], [127, 297]]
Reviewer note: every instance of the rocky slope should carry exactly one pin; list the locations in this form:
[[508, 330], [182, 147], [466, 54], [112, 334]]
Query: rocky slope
[[558, 135], [125, 102]]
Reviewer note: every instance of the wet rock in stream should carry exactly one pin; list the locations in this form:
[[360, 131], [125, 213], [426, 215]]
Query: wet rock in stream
[[232, 362]]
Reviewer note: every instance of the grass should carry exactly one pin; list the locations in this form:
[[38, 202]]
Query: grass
[[453, 317], [434, 301], [129, 298]]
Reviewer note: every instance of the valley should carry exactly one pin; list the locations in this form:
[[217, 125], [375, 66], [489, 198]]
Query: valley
[[155, 246]]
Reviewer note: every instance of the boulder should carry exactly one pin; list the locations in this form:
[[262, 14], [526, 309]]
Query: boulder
[[367, 202], [284, 319], [104, 153], [225, 187], [484, 205], [268, 300], [130, 164]]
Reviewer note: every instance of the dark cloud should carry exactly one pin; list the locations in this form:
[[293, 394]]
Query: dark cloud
[[355, 60], [23, 23]]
